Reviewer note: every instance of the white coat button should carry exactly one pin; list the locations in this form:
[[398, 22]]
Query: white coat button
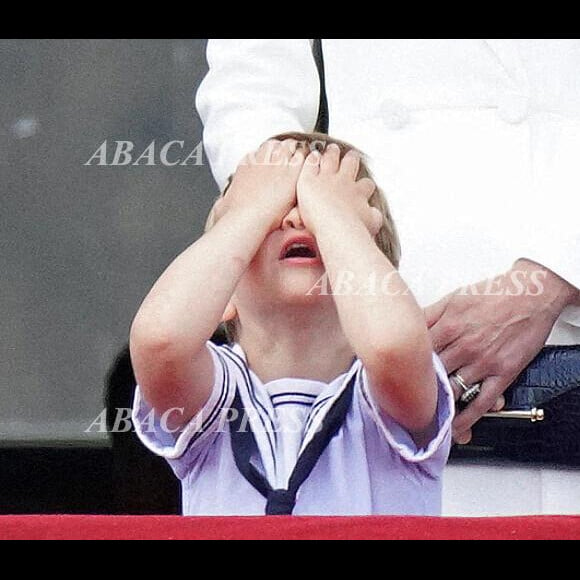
[[513, 108], [394, 114]]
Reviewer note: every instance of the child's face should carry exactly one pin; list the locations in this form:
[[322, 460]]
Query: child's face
[[284, 270]]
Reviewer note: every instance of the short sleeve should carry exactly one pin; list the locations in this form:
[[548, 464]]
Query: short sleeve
[[182, 448], [398, 438]]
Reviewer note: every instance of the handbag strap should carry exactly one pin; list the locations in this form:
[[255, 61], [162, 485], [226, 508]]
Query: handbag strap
[[322, 121]]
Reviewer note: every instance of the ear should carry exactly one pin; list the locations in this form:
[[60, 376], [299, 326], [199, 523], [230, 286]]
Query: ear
[[229, 313]]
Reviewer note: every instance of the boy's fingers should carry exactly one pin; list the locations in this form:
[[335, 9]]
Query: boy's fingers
[[292, 144], [294, 155], [375, 221], [367, 186], [350, 164], [311, 164], [297, 160], [288, 147], [280, 153], [268, 152], [331, 159]]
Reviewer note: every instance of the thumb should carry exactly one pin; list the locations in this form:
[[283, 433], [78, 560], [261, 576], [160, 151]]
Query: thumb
[[230, 312], [434, 311], [219, 209]]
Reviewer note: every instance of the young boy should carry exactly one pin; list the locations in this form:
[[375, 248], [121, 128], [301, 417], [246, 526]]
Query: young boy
[[329, 399]]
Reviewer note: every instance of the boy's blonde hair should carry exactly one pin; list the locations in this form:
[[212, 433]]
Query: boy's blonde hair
[[387, 239]]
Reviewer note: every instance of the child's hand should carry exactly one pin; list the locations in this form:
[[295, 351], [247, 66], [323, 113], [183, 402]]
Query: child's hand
[[328, 187], [265, 182]]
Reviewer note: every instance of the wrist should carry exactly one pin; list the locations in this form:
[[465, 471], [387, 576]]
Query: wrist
[[558, 291], [339, 235], [332, 218], [255, 218]]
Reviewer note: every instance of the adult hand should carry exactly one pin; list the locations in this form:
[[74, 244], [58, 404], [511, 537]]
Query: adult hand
[[488, 332]]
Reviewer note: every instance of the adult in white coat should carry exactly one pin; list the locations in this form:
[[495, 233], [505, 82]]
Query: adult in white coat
[[476, 144]]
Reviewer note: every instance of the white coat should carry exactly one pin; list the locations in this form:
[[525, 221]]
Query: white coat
[[476, 143]]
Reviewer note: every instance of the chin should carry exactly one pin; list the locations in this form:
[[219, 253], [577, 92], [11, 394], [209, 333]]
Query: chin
[[303, 286]]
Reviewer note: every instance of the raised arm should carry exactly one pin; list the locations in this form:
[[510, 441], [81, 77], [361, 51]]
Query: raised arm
[[385, 326], [254, 88], [172, 365]]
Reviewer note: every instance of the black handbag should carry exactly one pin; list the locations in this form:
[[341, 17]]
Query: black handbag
[[541, 418]]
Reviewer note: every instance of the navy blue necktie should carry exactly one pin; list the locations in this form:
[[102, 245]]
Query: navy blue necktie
[[282, 501]]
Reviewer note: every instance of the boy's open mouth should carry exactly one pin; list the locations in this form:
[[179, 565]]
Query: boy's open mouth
[[299, 247]]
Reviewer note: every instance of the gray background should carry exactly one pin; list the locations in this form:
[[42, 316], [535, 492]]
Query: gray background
[[81, 245]]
